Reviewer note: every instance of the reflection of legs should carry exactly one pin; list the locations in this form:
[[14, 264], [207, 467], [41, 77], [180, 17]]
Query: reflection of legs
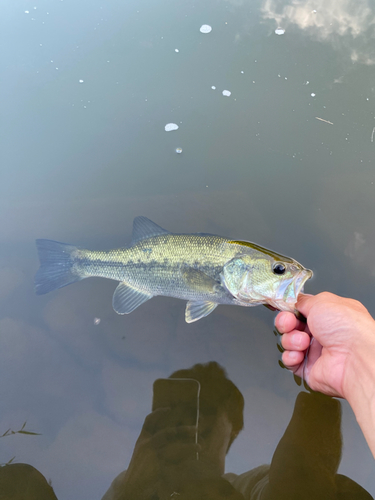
[[24, 482], [307, 457]]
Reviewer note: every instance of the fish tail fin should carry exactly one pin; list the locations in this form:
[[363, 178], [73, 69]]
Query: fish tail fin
[[56, 266]]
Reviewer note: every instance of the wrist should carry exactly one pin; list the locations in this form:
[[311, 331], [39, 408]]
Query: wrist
[[360, 370], [359, 383]]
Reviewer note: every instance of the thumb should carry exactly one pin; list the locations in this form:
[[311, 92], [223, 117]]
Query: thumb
[[305, 303]]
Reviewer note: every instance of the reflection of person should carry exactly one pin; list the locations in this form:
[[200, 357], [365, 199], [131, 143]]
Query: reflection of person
[[24, 482], [304, 465], [341, 357], [164, 462]]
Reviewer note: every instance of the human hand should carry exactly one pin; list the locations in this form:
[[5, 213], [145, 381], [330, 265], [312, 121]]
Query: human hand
[[340, 327], [156, 446]]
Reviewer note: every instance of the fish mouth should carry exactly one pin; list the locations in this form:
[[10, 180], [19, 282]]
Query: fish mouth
[[300, 280], [288, 291]]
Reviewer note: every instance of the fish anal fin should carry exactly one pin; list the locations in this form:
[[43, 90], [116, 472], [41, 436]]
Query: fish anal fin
[[144, 228], [196, 310], [126, 298]]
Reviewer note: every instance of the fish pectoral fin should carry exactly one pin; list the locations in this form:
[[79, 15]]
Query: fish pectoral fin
[[145, 228], [198, 309], [126, 298], [199, 281]]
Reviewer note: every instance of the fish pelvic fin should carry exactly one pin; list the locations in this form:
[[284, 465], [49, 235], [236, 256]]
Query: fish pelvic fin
[[198, 309], [127, 298], [56, 266]]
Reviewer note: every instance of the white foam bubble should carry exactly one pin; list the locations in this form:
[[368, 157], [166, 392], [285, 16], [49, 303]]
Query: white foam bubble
[[279, 31], [227, 93], [170, 126], [205, 28]]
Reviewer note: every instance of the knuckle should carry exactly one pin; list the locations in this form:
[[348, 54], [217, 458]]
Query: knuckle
[[326, 296]]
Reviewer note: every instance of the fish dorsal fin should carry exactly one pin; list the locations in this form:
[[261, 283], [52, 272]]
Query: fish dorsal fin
[[198, 309], [127, 298], [144, 228]]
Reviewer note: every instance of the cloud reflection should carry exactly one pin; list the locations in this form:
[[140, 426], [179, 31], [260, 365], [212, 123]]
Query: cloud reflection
[[340, 22]]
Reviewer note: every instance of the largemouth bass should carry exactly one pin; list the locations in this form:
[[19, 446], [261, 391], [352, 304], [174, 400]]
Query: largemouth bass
[[204, 269]]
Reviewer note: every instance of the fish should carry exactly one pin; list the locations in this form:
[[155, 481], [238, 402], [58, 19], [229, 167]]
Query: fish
[[204, 269]]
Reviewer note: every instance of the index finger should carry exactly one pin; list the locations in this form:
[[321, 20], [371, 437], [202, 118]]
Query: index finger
[[286, 321]]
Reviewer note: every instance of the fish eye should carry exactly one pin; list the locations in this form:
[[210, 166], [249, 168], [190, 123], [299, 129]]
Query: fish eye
[[279, 268]]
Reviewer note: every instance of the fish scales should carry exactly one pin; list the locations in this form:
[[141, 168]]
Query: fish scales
[[155, 264]]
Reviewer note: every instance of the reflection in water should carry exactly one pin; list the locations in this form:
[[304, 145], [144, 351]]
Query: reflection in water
[[164, 463], [328, 20], [24, 482], [181, 450]]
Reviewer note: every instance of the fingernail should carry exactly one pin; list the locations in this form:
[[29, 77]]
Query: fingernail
[[296, 339], [280, 325], [293, 356]]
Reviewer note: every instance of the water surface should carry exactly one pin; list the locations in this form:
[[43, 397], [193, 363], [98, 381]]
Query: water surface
[[285, 160]]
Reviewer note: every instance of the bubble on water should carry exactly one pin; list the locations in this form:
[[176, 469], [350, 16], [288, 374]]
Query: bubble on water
[[171, 126], [205, 28], [80, 81], [96, 321], [279, 31], [227, 93], [213, 87], [176, 50], [27, 12], [312, 94], [178, 150]]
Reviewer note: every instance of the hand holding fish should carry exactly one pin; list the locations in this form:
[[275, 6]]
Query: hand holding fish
[[164, 461], [155, 448], [341, 357]]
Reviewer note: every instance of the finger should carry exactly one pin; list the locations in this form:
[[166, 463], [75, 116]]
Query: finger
[[153, 419], [285, 322], [293, 360], [181, 434], [305, 302], [295, 341]]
